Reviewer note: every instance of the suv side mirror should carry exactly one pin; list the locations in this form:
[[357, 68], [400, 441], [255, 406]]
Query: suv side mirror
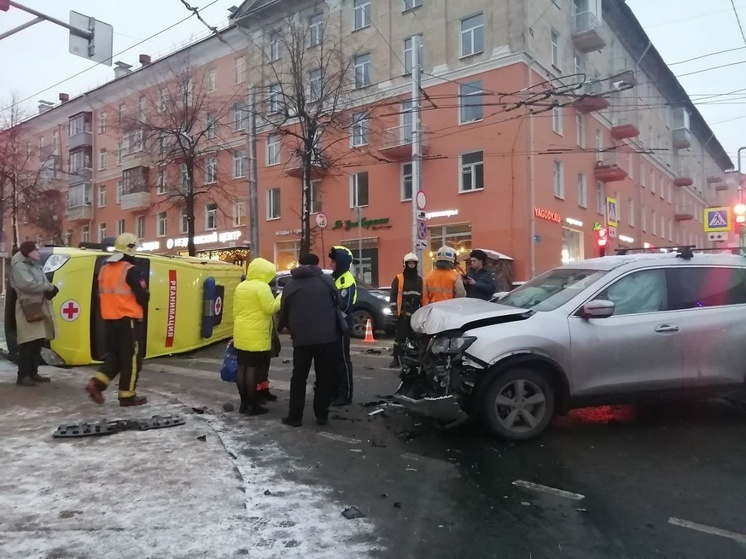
[[599, 308]]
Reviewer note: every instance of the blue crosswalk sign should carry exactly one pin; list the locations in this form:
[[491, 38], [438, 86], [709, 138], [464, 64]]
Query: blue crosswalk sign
[[717, 220]]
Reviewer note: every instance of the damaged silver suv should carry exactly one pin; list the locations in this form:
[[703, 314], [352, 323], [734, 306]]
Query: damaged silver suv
[[617, 329]]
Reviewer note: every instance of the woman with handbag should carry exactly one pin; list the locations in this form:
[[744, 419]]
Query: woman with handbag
[[253, 310], [34, 316]]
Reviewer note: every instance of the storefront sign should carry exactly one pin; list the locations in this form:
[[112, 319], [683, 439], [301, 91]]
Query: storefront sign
[[442, 213], [150, 246], [574, 222], [626, 239], [171, 317], [210, 238], [541, 213], [381, 223], [287, 232]]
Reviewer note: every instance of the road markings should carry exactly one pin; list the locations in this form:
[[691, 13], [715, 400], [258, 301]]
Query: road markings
[[741, 538], [550, 490], [207, 375], [339, 438]]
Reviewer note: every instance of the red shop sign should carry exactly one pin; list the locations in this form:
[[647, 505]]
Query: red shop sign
[[546, 214]]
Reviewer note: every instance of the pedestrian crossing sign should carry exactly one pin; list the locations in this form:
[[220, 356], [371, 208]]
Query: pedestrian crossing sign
[[717, 220], [611, 212]]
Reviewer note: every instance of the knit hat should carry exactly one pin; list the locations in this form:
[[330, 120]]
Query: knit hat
[[309, 259], [27, 247]]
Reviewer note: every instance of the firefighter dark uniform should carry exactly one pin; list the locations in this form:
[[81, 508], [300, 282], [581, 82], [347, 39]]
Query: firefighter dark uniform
[[347, 287], [123, 298], [405, 298]]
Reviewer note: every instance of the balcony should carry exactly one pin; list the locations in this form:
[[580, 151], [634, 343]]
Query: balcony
[[624, 131], [590, 99], [608, 169], [80, 140], [682, 138], [714, 179], [294, 167], [683, 181], [80, 212], [397, 142], [587, 33], [722, 187], [140, 158], [683, 213], [136, 201], [80, 176]]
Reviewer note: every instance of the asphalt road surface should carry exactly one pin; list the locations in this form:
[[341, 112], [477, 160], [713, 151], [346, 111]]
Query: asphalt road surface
[[612, 482]]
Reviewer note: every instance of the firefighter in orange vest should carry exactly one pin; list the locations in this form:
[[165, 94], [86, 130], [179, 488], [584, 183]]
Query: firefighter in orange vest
[[123, 297], [444, 282], [405, 299]]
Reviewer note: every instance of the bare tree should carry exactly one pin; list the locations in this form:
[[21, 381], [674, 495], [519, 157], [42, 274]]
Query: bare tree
[[313, 94], [182, 123]]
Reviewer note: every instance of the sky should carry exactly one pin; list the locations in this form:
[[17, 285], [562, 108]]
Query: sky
[[33, 61]]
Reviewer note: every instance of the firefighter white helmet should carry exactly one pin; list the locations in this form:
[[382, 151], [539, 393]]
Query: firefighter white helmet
[[445, 254], [410, 257]]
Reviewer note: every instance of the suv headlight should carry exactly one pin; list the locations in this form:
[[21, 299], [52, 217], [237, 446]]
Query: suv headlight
[[452, 345], [55, 262]]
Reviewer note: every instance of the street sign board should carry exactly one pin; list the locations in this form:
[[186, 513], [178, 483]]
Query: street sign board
[[611, 212], [100, 47], [421, 245], [421, 230], [612, 232], [321, 220], [421, 215], [421, 200], [717, 220]]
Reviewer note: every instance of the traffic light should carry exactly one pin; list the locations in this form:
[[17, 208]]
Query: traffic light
[[602, 239], [739, 216]]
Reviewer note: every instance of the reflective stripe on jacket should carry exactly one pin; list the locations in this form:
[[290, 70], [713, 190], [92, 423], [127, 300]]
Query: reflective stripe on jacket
[[346, 281], [116, 298], [401, 294], [442, 285]]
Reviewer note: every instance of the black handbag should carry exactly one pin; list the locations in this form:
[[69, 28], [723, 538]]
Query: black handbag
[[33, 311], [342, 324]]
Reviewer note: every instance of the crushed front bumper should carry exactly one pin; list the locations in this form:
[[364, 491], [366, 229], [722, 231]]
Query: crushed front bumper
[[445, 408]]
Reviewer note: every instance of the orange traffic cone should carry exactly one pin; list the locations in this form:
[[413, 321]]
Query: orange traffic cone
[[369, 339]]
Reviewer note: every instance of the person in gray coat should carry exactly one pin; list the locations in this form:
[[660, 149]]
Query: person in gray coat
[[309, 310], [34, 316]]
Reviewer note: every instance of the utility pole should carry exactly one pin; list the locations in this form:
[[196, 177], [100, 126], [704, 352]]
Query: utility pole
[[253, 213], [416, 144]]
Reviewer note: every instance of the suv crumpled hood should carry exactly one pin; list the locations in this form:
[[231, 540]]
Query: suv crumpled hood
[[457, 313]]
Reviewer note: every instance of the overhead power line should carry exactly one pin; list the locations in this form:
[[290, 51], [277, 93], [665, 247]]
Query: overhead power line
[[738, 19]]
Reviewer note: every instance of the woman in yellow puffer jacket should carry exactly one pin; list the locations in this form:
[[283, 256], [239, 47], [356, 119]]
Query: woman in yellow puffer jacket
[[253, 309]]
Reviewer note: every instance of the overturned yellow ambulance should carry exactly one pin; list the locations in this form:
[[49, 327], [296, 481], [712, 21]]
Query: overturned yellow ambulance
[[191, 303]]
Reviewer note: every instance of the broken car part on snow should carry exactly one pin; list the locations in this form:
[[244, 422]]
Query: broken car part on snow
[[105, 427]]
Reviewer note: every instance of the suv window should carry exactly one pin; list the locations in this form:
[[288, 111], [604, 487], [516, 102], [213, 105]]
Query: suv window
[[639, 292], [551, 290], [707, 287]]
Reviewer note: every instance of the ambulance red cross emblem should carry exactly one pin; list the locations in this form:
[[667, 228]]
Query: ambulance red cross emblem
[[70, 310], [218, 305]]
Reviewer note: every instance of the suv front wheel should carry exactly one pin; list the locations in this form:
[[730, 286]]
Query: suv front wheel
[[519, 404]]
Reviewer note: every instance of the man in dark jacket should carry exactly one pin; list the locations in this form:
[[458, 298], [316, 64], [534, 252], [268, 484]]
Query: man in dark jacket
[[309, 310], [405, 298], [480, 282], [341, 258]]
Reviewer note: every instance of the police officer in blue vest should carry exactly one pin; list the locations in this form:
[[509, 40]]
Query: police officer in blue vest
[[341, 258]]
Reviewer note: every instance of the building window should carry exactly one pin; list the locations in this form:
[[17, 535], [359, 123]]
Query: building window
[[470, 95], [273, 150], [161, 182], [121, 113], [212, 80], [654, 221], [555, 39], [212, 127], [406, 182], [275, 98], [140, 226], [631, 167], [315, 197], [314, 85], [644, 218], [315, 30], [580, 130], [239, 213], [599, 145], [183, 178], [102, 123], [239, 117], [55, 140], [472, 35], [102, 160], [141, 109], [582, 191], [240, 70], [472, 171], [183, 221], [102, 196], [120, 226], [101, 232], [361, 12], [275, 47], [663, 227], [85, 234], [211, 170], [362, 70], [411, 4], [631, 213], [239, 163], [359, 131], [120, 191], [408, 54], [652, 181], [557, 120], [162, 224], [558, 175], [359, 190], [211, 216], [79, 160], [661, 187], [600, 198], [273, 203], [406, 130]]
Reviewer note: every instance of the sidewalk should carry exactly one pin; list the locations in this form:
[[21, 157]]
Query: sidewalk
[[161, 493]]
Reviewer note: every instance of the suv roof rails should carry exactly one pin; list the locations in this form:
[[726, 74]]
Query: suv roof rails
[[683, 251]]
